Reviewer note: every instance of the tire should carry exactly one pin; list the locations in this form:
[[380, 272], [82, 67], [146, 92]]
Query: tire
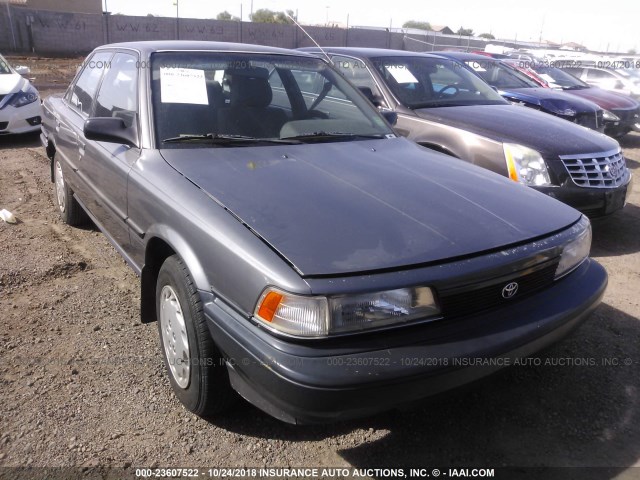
[[69, 209], [195, 366]]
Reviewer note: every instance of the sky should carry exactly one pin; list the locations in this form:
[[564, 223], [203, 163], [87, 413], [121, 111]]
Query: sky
[[602, 26]]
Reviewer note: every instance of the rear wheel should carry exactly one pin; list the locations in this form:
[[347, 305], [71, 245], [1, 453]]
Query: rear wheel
[[70, 210], [196, 368]]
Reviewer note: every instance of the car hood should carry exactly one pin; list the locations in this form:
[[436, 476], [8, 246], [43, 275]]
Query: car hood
[[607, 100], [10, 83], [549, 135], [554, 101], [362, 206]]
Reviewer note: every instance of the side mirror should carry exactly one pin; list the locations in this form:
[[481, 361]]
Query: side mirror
[[110, 129], [374, 99], [390, 116], [22, 70]]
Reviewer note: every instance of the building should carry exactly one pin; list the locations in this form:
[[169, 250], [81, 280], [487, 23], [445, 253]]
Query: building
[[442, 29]]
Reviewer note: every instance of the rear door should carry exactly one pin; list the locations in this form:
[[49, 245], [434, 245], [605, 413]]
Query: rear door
[[106, 165]]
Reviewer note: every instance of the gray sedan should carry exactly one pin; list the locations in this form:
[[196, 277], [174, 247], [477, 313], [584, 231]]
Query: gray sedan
[[292, 247]]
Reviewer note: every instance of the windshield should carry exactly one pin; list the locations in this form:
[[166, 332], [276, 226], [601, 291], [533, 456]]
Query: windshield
[[424, 82], [559, 79], [499, 75], [4, 66], [236, 99]]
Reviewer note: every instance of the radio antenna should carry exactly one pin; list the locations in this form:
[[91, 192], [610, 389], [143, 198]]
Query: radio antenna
[[307, 34]]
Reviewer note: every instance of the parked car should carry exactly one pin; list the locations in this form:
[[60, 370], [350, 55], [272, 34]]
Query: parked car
[[606, 78], [20, 108], [621, 112], [443, 106], [517, 88], [294, 249]]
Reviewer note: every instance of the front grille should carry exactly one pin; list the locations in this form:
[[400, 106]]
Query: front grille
[[589, 120], [459, 302], [3, 125], [602, 170]]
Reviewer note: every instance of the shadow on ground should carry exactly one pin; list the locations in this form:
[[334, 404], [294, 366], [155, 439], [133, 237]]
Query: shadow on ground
[[25, 140]]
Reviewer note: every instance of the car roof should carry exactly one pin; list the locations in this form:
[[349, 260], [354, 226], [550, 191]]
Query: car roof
[[463, 56], [367, 52], [146, 48]]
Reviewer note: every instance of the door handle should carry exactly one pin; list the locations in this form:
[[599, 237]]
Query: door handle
[[81, 147]]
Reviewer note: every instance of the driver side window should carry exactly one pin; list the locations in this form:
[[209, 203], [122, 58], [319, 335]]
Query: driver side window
[[81, 95], [118, 95]]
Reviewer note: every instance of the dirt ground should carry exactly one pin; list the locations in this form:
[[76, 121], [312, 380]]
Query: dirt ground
[[82, 381]]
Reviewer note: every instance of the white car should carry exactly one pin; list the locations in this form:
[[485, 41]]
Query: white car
[[20, 107], [608, 79]]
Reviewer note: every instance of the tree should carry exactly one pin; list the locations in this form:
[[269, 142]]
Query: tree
[[227, 16], [282, 17], [466, 32], [417, 24], [264, 15], [488, 36]]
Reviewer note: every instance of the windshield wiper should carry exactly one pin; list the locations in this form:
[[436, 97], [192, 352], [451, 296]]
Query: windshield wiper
[[321, 135], [224, 139]]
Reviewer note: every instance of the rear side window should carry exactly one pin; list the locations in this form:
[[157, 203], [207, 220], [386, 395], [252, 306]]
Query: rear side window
[[83, 92], [118, 96], [356, 72]]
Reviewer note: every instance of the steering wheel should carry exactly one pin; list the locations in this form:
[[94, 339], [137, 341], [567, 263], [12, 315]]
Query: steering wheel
[[440, 93]]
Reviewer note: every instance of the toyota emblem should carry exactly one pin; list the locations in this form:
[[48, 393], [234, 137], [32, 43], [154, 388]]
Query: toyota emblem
[[510, 290]]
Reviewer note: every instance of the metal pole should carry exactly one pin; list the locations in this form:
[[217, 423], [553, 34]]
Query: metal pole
[[178, 19], [13, 35], [346, 33]]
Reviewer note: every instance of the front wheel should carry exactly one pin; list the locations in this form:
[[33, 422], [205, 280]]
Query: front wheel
[[197, 370], [70, 210]]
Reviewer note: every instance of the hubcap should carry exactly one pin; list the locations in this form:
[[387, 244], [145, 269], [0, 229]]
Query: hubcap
[[59, 179], [174, 336]]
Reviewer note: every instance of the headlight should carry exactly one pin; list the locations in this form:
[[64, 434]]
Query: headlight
[[20, 99], [526, 165], [308, 316], [610, 117], [559, 107], [576, 251]]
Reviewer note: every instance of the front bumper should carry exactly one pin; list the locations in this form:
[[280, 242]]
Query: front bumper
[[593, 202], [20, 120], [323, 381]]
